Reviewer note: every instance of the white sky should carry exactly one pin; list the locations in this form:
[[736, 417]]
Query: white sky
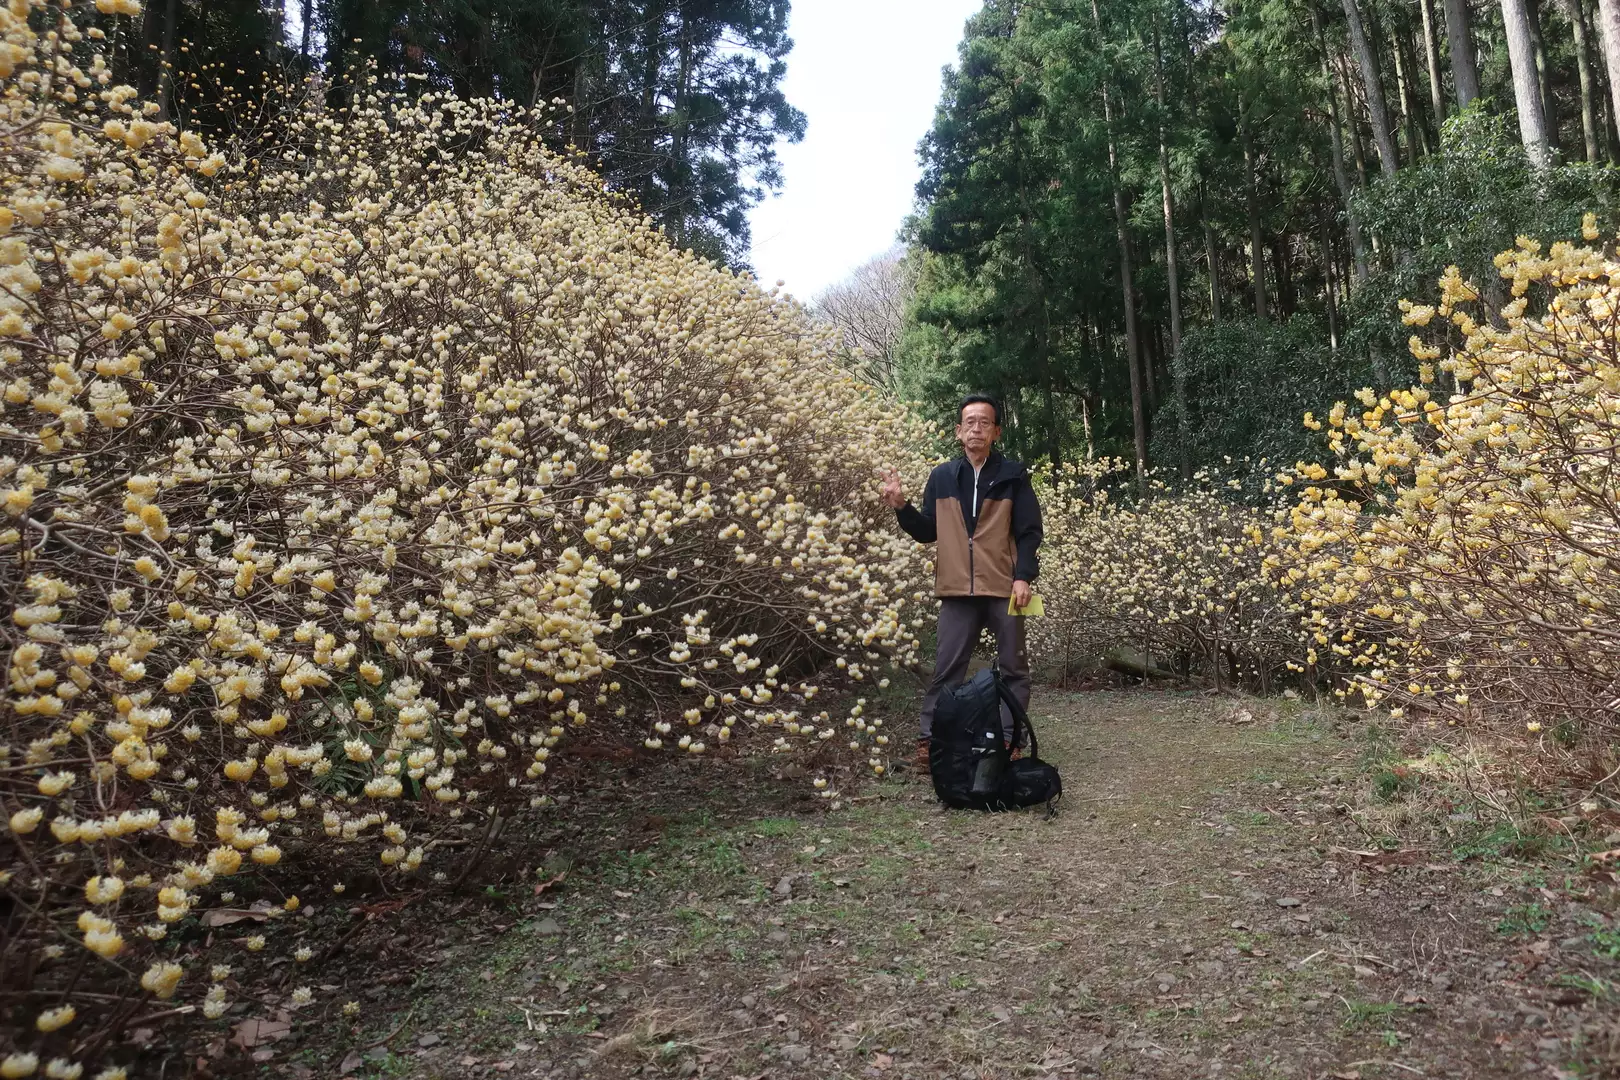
[[867, 75]]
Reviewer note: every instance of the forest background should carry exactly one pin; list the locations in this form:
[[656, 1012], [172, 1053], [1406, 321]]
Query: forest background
[[1168, 230], [1155, 228]]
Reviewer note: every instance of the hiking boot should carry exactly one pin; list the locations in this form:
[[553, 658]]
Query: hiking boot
[[920, 760]]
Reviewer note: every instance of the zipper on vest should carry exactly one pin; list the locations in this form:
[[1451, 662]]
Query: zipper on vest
[[970, 566]]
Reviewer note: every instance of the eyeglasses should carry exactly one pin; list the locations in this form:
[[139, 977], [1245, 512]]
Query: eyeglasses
[[977, 424]]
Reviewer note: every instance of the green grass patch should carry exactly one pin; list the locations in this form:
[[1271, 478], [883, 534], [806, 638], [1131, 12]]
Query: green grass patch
[[1368, 1015], [1605, 939], [1524, 920], [1505, 840], [1395, 782]]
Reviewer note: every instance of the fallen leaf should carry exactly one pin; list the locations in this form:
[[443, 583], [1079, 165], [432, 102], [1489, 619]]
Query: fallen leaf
[[556, 879], [881, 1061], [1378, 856], [350, 1063], [1235, 1018], [251, 1033], [227, 916]]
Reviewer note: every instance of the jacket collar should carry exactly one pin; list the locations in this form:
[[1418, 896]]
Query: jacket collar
[[990, 462]]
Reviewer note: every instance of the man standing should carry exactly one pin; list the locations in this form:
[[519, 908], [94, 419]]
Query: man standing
[[981, 510]]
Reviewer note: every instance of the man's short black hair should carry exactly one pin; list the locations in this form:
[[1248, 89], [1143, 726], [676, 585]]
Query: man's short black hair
[[979, 399]]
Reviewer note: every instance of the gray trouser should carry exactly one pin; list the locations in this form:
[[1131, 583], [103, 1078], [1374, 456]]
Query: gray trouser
[[961, 618]]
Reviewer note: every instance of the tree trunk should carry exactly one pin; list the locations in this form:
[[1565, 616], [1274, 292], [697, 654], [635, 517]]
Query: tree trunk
[[1609, 27], [1152, 354], [1431, 54], [1549, 107], [306, 17], [1575, 11], [1172, 268], [1171, 265], [1460, 41], [1085, 425], [1608, 135], [1350, 120], [1417, 138], [1282, 263], [1526, 87], [1212, 256], [1127, 282], [1372, 82], [1257, 247], [1329, 264], [647, 114], [679, 182], [577, 124], [1340, 176], [1127, 288]]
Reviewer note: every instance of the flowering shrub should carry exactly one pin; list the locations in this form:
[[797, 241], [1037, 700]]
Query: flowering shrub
[[1173, 577], [1461, 556], [343, 484]]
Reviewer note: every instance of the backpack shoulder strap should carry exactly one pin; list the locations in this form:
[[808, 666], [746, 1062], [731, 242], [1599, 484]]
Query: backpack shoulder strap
[[1019, 715]]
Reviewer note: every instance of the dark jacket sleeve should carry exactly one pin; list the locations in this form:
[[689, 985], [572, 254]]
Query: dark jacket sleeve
[[920, 523], [1026, 530]]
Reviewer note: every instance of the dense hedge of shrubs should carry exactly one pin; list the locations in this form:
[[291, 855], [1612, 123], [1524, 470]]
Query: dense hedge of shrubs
[[1457, 556], [345, 483], [1462, 555], [1167, 578]]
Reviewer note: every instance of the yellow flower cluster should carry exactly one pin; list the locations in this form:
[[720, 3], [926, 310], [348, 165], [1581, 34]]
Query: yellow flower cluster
[[344, 483], [1456, 559], [1169, 576], [1461, 555]]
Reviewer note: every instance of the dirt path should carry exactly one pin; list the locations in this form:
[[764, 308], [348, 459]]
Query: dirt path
[[1198, 909]]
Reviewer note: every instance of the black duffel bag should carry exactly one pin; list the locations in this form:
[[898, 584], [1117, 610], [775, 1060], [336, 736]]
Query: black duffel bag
[[972, 766]]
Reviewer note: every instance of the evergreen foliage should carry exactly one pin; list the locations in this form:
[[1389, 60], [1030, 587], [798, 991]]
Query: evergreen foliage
[[676, 103], [1106, 181]]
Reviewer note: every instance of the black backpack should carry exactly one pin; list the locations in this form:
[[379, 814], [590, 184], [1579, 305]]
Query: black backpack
[[971, 766]]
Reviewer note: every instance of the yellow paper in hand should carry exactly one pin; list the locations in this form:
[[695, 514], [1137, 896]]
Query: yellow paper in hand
[[1032, 609]]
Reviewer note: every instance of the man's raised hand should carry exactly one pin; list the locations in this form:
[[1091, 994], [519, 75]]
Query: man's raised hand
[[891, 492]]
